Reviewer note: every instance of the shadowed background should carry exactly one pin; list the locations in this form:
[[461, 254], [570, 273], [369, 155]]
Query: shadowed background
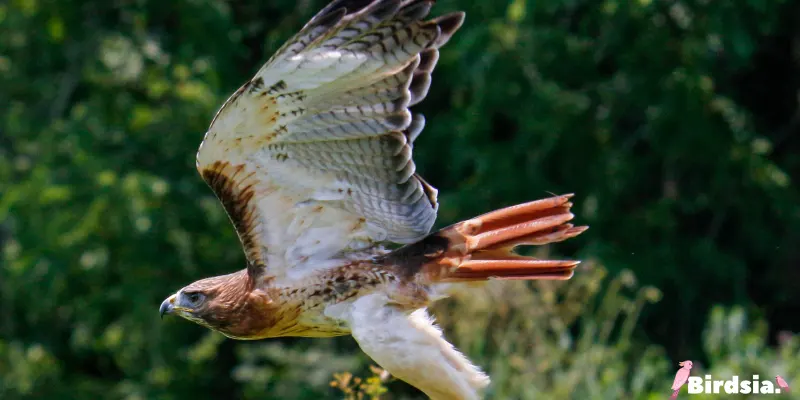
[[676, 123]]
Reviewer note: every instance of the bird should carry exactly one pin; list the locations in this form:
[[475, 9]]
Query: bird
[[680, 378], [782, 383], [311, 159]]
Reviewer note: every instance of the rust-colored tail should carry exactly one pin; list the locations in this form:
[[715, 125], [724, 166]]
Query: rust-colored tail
[[482, 247]]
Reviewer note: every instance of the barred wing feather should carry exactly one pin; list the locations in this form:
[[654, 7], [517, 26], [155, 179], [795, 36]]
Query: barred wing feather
[[313, 156]]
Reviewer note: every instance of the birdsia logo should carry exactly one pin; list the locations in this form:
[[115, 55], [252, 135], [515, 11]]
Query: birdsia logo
[[734, 385], [707, 385]]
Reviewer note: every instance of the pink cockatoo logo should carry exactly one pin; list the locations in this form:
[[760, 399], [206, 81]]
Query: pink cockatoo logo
[[680, 378], [782, 383]]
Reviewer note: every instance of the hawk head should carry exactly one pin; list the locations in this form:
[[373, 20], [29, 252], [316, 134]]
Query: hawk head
[[226, 304]]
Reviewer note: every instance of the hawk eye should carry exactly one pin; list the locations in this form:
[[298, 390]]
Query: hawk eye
[[194, 297]]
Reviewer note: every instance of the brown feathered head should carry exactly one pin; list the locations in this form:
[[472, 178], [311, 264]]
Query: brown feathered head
[[226, 304]]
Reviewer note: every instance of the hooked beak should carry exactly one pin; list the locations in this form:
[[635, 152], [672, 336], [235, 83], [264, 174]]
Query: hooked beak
[[167, 307]]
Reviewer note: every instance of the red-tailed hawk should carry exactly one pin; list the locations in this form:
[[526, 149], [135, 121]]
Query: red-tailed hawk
[[311, 160]]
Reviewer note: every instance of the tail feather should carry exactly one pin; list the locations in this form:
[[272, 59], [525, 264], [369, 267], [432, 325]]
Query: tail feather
[[512, 270], [482, 248]]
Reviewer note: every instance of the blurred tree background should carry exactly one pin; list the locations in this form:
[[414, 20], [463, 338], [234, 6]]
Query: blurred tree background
[[675, 122]]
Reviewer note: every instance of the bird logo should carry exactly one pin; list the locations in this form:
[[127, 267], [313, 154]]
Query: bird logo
[[782, 383], [680, 378]]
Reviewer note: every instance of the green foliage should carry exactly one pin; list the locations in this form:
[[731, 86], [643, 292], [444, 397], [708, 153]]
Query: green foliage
[[355, 388], [677, 136]]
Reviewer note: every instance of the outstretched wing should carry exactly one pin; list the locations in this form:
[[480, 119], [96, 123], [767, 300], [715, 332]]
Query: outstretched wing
[[312, 157], [411, 348]]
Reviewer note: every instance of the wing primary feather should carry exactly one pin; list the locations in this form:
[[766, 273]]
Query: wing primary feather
[[416, 10], [428, 59], [420, 84], [345, 6], [317, 28], [448, 24], [415, 127]]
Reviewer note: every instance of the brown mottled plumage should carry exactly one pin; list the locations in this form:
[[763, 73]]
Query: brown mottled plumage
[[312, 161], [235, 191]]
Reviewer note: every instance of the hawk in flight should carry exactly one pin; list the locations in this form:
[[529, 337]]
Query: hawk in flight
[[311, 160]]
